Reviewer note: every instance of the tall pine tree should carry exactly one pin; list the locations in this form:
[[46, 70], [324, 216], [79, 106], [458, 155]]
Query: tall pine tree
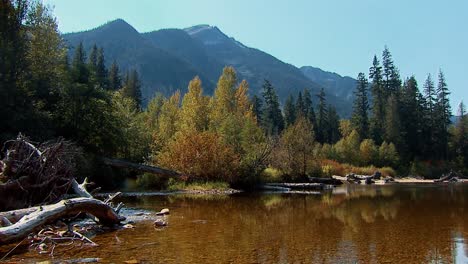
[[442, 116], [115, 80], [273, 122], [360, 118], [132, 87], [378, 100], [289, 111], [322, 124]]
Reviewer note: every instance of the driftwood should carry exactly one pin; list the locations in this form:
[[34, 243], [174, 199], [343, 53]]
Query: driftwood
[[140, 167], [330, 181], [450, 177], [35, 175], [301, 186], [50, 213]]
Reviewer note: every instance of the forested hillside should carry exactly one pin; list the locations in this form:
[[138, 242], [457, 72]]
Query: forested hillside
[[225, 135], [199, 50]]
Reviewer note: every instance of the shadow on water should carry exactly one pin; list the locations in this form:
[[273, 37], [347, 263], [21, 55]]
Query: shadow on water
[[349, 224]]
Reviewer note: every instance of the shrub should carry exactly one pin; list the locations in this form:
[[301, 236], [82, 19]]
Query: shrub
[[201, 155]]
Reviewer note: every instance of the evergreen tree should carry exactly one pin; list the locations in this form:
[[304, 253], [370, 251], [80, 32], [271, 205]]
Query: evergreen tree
[[460, 137], [93, 57], [308, 111], [442, 115], [115, 81], [273, 122], [391, 77], [411, 121], [322, 117], [132, 87], [378, 101], [79, 70], [101, 71], [257, 107], [289, 111], [361, 107], [392, 121], [333, 125], [429, 116], [300, 106]]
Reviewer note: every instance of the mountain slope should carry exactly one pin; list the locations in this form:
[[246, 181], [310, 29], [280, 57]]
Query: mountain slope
[[251, 64], [168, 59], [334, 83], [178, 42], [159, 70]]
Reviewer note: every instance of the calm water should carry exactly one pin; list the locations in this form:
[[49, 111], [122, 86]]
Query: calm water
[[357, 224]]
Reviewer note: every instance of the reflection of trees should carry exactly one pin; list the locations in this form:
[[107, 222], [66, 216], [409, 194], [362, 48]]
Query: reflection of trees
[[397, 224]]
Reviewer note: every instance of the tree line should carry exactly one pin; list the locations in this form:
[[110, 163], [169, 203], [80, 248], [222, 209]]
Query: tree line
[[229, 136]]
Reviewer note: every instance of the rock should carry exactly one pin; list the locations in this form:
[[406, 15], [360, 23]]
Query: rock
[[160, 223], [132, 261], [128, 226], [377, 175], [164, 211], [369, 181]]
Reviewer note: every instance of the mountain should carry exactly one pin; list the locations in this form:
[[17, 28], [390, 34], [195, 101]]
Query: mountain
[[334, 83], [168, 59], [181, 44], [159, 70]]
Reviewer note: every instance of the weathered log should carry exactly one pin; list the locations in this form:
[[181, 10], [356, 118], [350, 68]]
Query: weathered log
[[50, 213], [330, 181], [302, 186], [447, 177], [140, 167], [80, 189], [15, 215]]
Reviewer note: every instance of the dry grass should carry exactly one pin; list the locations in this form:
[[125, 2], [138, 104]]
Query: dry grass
[[332, 167]]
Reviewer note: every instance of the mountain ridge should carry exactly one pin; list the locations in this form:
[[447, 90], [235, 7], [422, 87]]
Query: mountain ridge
[[167, 59]]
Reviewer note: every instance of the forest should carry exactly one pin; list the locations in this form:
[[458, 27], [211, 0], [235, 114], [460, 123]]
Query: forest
[[230, 136]]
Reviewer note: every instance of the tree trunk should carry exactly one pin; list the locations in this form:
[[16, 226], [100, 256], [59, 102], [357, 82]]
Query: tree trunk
[[140, 167], [50, 213]]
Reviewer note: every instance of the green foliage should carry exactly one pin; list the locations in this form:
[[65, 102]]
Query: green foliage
[[346, 147], [115, 80], [368, 152], [388, 155], [149, 181], [134, 138], [132, 87], [294, 153], [194, 110]]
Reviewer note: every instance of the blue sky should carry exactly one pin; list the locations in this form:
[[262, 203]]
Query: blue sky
[[336, 35]]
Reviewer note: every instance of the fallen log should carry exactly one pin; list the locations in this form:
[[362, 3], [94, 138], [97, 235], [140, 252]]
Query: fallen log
[[140, 167], [330, 181], [50, 213], [300, 186], [80, 189], [447, 177]]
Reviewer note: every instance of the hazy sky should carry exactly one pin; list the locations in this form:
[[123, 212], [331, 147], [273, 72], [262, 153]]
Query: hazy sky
[[339, 36]]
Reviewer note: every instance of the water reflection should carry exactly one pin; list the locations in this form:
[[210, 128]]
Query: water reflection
[[351, 224]]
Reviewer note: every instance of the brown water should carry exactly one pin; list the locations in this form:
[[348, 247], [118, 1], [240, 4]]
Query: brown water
[[357, 224]]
